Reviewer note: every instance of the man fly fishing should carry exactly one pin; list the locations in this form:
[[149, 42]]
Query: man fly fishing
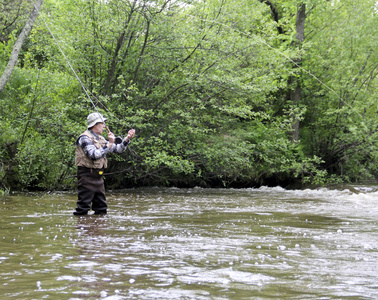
[[91, 151]]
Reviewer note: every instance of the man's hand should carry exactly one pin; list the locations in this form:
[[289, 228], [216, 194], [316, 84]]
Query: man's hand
[[130, 135], [111, 137]]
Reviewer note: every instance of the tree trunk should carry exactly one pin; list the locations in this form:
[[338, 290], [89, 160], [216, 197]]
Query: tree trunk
[[295, 94], [17, 46]]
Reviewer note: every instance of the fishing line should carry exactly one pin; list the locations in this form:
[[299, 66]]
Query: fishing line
[[73, 70], [259, 39], [82, 85], [68, 62]]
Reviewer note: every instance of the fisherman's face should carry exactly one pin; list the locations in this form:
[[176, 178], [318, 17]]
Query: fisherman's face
[[98, 128]]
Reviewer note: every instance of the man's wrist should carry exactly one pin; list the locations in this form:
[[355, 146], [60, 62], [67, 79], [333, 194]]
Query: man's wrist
[[108, 145]]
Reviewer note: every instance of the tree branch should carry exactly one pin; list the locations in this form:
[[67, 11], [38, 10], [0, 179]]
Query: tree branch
[[274, 13], [17, 46]]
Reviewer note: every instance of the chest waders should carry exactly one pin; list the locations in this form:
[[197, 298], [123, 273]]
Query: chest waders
[[91, 191], [91, 187]]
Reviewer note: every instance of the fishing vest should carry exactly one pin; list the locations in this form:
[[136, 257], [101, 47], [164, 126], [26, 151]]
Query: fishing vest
[[83, 160]]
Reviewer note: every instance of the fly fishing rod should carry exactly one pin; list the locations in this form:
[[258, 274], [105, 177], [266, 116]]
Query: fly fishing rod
[[118, 139]]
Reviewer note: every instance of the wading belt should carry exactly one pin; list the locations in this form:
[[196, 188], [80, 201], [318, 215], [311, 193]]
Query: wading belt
[[84, 170]]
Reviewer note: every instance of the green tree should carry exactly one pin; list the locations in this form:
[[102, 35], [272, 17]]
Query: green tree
[[18, 44], [208, 86], [341, 122]]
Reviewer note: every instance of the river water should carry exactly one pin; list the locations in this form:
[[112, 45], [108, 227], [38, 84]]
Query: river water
[[265, 243]]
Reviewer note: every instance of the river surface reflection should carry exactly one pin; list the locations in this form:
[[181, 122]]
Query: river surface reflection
[[266, 243]]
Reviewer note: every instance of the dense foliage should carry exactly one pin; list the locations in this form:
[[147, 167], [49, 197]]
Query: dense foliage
[[206, 84]]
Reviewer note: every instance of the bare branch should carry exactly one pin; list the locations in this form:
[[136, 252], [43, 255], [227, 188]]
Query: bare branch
[[17, 46]]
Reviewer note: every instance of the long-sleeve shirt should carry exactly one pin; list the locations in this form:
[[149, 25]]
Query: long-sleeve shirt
[[93, 153]]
